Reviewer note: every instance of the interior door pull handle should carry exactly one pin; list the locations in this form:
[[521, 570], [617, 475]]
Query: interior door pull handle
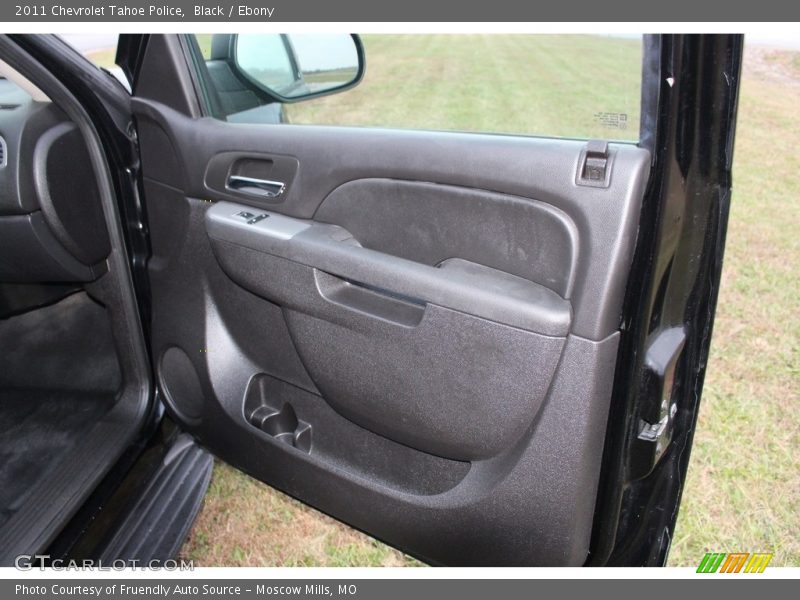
[[261, 188]]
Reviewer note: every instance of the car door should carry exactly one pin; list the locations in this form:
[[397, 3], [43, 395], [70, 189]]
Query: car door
[[481, 349]]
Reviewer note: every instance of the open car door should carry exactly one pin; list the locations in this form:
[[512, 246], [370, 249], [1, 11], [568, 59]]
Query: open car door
[[480, 349]]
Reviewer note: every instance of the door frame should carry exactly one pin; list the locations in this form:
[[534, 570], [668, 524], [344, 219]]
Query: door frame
[[673, 284]]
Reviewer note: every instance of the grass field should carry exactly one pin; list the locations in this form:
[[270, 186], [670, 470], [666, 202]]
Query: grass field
[[743, 486], [553, 85]]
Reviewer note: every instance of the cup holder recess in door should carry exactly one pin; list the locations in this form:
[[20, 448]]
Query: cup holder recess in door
[[281, 423]]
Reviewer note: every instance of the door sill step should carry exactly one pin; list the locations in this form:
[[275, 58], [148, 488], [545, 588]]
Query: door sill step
[[159, 520]]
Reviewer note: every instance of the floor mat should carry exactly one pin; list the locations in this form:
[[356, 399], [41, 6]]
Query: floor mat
[[58, 376], [67, 345], [38, 429]]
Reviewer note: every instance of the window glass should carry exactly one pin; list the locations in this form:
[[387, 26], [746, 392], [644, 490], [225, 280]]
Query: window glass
[[11, 95], [100, 49], [581, 86]]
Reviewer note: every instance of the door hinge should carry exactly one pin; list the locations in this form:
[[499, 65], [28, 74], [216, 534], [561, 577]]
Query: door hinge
[[594, 166]]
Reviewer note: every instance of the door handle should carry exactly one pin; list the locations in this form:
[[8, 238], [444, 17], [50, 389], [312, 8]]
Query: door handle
[[260, 188]]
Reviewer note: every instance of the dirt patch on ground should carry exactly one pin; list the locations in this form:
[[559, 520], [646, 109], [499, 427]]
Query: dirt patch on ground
[[773, 65]]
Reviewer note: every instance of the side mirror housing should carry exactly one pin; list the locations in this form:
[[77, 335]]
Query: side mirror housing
[[295, 67]]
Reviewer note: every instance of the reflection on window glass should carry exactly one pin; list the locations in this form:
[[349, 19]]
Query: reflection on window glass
[[265, 58], [325, 61]]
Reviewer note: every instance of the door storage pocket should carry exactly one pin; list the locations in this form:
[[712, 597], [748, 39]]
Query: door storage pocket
[[455, 385]]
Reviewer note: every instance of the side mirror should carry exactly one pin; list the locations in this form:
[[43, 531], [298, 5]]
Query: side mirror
[[294, 67]]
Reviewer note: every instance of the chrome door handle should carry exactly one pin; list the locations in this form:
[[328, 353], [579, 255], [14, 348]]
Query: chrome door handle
[[261, 188]]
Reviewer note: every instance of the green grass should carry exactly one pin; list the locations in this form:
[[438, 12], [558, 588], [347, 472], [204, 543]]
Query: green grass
[[743, 485]]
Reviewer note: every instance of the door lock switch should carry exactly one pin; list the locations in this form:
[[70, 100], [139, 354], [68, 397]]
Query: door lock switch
[[594, 166]]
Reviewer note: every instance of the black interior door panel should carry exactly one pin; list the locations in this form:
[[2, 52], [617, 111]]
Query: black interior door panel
[[417, 335], [538, 169], [416, 358]]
